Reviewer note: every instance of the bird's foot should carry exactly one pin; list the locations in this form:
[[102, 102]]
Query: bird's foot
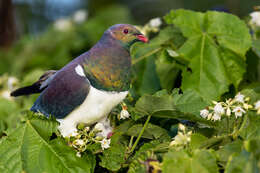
[[105, 127], [109, 135]]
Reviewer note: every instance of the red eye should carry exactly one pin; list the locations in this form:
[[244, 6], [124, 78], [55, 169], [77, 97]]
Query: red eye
[[126, 31]]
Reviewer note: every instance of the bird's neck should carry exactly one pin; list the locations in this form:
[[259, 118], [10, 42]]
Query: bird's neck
[[108, 66]]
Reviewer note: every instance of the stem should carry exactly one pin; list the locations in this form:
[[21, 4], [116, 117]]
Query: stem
[[140, 134], [228, 128], [243, 123], [131, 142], [134, 61], [239, 129]]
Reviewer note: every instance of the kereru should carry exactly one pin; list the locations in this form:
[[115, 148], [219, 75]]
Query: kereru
[[91, 85]]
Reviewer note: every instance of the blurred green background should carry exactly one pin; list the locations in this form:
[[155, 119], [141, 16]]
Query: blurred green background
[[46, 34]]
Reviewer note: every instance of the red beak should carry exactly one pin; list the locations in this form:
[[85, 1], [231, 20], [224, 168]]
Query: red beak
[[142, 38]]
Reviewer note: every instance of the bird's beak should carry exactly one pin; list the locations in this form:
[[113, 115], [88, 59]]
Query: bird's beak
[[142, 38]]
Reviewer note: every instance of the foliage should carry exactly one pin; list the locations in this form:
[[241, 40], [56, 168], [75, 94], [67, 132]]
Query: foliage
[[48, 53], [193, 59], [29, 148]]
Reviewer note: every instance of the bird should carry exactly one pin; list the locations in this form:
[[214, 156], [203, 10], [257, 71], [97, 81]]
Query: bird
[[91, 85]]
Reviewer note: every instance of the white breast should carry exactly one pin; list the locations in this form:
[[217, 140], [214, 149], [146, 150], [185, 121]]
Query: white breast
[[96, 106]]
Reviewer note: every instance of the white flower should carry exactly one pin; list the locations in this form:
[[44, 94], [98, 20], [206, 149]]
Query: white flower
[[257, 104], [216, 117], [156, 22], [181, 127], [228, 112], [11, 82], [210, 116], [247, 106], [80, 16], [87, 129], [74, 133], [218, 109], [124, 114], [204, 113], [105, 143], [79, 142], [63, 24], [238, 111], [239, 98], [181, 139], [255, 18], [78, 154], [6, 94]]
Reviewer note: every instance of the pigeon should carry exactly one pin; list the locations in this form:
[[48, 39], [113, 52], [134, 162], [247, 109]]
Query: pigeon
[[91, 85]]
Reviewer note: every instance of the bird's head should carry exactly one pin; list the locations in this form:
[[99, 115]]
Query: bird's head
[[126, 34]]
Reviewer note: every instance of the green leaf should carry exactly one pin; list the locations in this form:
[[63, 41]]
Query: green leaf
[[167, 70], [164, 105], [146, 76], [150, 104], [151, 132], [227, 150], [201, 161], [241, 163], [251, 129], [170, 36], [145, 80], [197, 140], [28, 148], [216, 58], [214, 141], [8, 113], [147, 151], [253, 93], [189, 101], [253, 145], [113, 157], [123, 127]]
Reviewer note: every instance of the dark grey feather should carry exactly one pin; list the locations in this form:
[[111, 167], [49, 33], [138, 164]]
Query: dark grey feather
[[36, 87]]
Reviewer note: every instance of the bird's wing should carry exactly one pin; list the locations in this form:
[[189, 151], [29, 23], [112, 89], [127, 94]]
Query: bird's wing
[[36, 87], [67, 90]]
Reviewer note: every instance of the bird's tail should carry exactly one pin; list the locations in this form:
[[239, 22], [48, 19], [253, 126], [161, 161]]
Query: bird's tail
[[36, 87], [32, 89]]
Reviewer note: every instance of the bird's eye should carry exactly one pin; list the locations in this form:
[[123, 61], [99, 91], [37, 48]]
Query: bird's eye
[[125, 31]]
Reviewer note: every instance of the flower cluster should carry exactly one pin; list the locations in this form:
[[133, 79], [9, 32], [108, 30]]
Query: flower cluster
[[237, 106], [85, 136], [182, 139], [255, 18], [152, 26]]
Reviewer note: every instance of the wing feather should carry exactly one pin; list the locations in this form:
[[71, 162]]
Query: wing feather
[[66, 91]]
